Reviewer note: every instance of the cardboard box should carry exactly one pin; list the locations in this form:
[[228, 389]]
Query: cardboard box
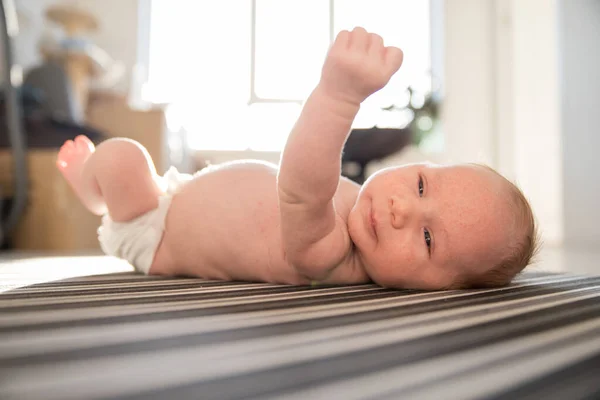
[[54, 219]]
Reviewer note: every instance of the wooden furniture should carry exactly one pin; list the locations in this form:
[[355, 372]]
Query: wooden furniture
[[111, 114], [54, 219]]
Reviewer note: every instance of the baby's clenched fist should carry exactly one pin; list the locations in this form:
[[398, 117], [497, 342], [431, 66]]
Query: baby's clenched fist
[[358, 65]]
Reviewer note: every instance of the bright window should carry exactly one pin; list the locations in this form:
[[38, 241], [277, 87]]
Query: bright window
[[231, 92]]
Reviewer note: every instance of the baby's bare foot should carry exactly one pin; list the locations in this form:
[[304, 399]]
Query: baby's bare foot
[[71, 157]]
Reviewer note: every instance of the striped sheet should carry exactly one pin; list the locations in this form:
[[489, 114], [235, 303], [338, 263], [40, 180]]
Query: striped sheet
[[123, 335]]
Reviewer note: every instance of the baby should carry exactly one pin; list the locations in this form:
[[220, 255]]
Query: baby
[[418, 226]]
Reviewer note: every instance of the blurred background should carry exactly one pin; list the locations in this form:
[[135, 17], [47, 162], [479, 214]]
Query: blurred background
[[510, 83]]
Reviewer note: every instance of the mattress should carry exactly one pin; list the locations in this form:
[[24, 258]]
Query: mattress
[[124, 335]]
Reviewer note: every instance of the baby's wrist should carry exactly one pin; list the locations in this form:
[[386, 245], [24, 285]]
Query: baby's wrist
[[340, 103]]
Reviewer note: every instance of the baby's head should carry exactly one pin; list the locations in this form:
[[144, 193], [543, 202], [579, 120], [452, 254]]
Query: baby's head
[[426, 226]]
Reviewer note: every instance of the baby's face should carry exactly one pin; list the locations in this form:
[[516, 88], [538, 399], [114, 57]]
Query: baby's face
[[424, 226]]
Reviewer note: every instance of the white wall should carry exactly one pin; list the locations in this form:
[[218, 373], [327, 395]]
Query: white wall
[[468, 112], [580, 84], [117, 34], [501, 104], [536, 111], [523, 91]]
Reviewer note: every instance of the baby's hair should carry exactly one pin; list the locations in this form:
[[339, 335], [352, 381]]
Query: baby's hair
[[521, 252]]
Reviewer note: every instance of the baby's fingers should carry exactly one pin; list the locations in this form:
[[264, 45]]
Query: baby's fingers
[[393, 60], [342, 40]]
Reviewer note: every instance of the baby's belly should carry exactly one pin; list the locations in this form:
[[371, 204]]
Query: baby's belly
[[225, 225]]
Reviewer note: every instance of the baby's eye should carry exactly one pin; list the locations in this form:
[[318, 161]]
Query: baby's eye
[[420, 186], [427, 239]]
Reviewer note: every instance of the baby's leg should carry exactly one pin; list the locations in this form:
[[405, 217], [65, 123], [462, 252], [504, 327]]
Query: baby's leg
[[118, 176]]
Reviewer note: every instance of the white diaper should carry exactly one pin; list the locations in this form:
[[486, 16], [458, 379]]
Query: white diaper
[[137, 240]]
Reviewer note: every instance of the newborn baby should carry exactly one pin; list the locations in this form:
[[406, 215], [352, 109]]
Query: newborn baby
[[418, 226]]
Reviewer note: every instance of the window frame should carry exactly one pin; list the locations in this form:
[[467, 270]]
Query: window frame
[[254, 98], [436, 14]]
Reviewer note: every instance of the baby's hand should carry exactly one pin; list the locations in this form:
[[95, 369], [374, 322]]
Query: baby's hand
[[358, 65]]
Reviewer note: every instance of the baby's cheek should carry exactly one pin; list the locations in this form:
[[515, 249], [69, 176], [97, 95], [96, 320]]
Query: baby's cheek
[[402, 261], [406, 256]]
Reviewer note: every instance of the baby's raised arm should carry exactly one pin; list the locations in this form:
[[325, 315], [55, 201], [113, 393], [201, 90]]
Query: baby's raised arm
[[315, 238]]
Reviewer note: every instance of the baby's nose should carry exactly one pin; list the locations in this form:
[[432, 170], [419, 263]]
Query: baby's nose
[[401, 210]]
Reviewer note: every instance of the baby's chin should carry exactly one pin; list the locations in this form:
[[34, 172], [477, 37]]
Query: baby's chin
[[377, 274]]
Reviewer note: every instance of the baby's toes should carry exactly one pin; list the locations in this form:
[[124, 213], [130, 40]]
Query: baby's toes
[[84, 144], [66, 151], [62, 160]]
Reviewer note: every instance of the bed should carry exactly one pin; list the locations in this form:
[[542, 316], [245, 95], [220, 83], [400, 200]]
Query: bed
[[89, 327]]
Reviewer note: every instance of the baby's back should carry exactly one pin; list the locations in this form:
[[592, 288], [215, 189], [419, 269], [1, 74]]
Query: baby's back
[[224, 224]]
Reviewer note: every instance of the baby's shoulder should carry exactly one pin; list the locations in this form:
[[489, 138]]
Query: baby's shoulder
[[347, 189]]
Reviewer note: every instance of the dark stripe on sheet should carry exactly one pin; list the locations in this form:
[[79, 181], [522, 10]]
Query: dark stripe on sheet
[[58, 292], [490, 368], [572, 382]]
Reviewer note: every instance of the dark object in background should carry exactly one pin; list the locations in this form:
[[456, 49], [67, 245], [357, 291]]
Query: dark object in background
[[41, 128], [10, 27], [59, 99], [366, 145]]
